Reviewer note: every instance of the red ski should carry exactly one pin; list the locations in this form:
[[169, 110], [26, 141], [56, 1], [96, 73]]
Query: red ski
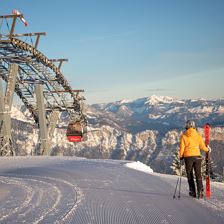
[[207, 129]]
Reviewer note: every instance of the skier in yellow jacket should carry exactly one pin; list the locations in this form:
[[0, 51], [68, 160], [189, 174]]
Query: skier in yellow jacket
[[191, 143]]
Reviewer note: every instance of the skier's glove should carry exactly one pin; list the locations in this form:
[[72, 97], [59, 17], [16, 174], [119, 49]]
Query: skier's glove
[[209, 149], [181, 161]]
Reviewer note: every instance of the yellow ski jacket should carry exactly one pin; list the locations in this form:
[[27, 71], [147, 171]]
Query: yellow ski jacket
[[191, 142]]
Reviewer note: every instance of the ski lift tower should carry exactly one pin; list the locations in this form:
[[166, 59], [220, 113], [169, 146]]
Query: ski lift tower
[[37, 81], [6, 98], [6, 143]]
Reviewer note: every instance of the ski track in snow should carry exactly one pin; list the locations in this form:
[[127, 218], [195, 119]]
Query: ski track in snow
[[215, 202], [70, 190], [42, 199]]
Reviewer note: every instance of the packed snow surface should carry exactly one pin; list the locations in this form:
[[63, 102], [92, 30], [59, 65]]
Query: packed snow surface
[[139, 166], [76, 190]]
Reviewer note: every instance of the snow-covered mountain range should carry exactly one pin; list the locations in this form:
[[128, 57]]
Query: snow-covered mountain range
[[146, 129], [165, 112]]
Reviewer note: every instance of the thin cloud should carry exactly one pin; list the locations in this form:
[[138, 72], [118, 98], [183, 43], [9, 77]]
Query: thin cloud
[[104, 37], [159, 90], [97, 91]]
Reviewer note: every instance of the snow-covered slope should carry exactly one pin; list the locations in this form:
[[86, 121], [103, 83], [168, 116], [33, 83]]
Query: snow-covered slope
[[146, 129], [76, 190], [139, 166]]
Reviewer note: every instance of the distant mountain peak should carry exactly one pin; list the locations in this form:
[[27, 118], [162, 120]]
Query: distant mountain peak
[[154, 99], [125, 101]]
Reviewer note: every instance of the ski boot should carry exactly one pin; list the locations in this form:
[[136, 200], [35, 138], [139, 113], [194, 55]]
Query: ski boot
[[200, 194], [192, 194]]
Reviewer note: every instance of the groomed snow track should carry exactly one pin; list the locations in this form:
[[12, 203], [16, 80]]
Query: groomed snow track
[[80, 191]]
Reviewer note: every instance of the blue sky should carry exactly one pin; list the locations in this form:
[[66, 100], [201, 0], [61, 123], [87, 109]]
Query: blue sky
[[126, 49]]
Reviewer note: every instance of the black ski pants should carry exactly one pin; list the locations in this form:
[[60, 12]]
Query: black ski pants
[[194, 163]]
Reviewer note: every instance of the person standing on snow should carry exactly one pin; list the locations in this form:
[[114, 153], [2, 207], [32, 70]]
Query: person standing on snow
[[191, 143]]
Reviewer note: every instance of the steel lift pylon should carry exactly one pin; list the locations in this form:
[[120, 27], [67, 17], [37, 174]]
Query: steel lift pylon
[[38, 82], [6, 142]]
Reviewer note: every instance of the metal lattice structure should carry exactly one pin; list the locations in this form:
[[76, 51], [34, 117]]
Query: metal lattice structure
[[35, 68]]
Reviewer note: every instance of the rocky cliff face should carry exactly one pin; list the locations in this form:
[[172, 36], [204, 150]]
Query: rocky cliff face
[[146, 129]]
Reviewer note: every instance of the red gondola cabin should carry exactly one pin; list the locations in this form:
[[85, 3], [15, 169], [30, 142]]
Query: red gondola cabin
[[74, 132]]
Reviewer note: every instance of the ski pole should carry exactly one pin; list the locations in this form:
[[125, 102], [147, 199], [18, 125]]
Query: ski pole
[[180, 182], [174, 195]]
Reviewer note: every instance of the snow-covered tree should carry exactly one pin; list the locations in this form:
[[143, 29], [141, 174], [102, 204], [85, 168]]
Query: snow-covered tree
[[176, 164], [211, 168], [203, 168]]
